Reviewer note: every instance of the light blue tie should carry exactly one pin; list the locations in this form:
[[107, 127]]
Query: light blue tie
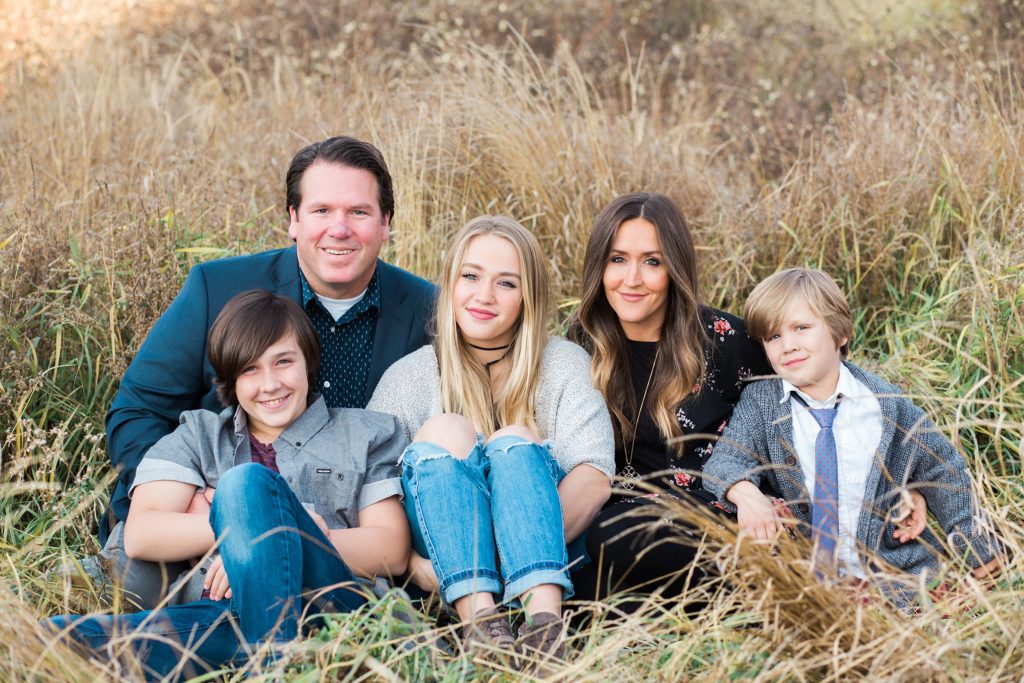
[[825, 514]]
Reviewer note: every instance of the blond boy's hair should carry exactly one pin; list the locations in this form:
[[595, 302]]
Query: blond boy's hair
[[767, 304]]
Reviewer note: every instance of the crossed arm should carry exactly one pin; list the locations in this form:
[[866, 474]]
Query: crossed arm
[[161, 527]]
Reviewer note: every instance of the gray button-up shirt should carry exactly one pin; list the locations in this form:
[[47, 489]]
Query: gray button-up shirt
[[338, 459]]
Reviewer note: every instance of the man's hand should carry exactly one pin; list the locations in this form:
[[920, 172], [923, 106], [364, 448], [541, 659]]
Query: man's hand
[[915, 514], [216, 580], [421, 572], [755, 513]]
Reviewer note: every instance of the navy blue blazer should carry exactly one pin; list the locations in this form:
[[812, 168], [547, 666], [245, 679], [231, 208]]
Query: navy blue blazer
[[171, 372]]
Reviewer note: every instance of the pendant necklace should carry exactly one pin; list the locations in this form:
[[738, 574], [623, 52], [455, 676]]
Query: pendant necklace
[[630, 477]]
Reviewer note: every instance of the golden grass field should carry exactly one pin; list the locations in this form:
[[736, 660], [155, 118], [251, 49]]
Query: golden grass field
[[880, 140]]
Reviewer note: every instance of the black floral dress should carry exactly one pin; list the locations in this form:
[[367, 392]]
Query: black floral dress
[[630, 545], [731, 358]]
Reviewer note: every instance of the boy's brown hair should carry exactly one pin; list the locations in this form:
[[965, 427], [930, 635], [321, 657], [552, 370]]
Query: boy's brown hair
[[767, 304], [249, 324]]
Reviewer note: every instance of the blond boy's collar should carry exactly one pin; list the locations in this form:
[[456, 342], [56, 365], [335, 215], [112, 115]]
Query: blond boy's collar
[[846, 386]]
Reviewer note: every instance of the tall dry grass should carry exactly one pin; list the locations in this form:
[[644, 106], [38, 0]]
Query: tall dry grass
[[879, 141]]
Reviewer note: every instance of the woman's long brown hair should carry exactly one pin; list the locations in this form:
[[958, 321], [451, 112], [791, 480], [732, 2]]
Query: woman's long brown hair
[[680, 368]]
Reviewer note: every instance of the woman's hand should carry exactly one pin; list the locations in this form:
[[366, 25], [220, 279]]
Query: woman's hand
[[421, 572], [913, 523], [216, 580]]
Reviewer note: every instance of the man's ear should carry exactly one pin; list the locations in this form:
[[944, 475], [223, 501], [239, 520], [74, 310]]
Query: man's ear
[[386, 228], [293, 226]]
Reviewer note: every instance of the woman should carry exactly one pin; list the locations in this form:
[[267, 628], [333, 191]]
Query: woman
[[512, 447], [671, 369]]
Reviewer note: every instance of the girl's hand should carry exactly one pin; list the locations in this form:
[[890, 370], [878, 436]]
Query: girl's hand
[[913, 523], [421, 572], [216, 580]]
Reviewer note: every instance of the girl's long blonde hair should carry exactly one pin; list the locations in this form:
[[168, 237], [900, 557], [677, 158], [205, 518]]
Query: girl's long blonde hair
[[465, 384]]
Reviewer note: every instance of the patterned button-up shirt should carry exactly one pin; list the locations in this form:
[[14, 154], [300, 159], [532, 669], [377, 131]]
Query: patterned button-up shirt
[[346, 345]]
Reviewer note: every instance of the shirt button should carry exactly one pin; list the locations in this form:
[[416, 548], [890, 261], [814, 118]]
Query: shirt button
[[298, 443], [341, 477], [804, 507], [327, 385], [333, 328], [790, 460]]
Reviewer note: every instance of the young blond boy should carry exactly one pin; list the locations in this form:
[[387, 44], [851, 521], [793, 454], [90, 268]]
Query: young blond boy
[[867, 444]]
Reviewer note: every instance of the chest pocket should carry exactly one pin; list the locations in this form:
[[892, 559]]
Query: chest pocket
[[333, 491]]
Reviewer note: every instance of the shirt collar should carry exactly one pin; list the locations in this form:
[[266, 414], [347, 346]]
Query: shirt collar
[[371, 300], [846, 386]]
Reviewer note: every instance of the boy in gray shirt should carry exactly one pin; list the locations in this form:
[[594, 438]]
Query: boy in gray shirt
[[298, 498]]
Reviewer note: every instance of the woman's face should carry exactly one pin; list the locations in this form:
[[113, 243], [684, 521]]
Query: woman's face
[[488, 294], [636, 280]]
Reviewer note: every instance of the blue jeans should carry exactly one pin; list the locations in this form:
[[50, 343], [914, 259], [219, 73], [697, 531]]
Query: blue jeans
[[491, 523], [277, 560]]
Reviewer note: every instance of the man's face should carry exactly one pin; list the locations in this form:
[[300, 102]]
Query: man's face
[[338, 229]]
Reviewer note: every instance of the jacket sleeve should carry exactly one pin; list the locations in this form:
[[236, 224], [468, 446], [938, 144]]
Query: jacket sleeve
[[741, 453], [940, 473], [164, 379]]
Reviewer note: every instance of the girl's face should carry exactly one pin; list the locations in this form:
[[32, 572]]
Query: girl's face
[[272, 390], [636, 280], [488, 294]]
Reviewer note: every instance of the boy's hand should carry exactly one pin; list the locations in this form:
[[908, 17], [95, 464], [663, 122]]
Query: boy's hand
[[755, 513], [319, 522], [421, 572], [216, 580], [201, 502], [913, 523]]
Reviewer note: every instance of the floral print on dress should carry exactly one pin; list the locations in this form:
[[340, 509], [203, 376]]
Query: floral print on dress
[[683, 479], [704, 452], [684, 421], [721, 327]]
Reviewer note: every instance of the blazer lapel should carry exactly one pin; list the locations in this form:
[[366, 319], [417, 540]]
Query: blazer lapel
[[285, 275], [393, 329]]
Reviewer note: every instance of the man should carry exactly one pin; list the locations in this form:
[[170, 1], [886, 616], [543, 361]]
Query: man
[[366, 313]]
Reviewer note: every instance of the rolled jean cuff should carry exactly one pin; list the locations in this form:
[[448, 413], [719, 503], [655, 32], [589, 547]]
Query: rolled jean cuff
[[467, 583], [546, 573]]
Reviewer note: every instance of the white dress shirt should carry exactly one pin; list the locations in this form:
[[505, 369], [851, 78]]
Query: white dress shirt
[[858, 431]]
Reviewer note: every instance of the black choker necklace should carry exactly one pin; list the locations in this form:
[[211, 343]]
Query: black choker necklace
[[489, 348]]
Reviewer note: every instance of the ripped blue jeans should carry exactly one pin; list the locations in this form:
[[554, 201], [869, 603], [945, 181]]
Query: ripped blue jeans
[[491, 523]]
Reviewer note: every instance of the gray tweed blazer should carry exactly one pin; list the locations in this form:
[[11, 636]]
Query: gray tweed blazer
[[757, 446]]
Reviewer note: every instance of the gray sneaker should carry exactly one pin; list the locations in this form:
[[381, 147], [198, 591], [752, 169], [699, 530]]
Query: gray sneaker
[[489, 636], [542, 643]]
